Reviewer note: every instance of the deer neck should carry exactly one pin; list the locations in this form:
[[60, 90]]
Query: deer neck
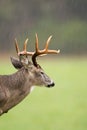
[[18, 81], [17, 87]]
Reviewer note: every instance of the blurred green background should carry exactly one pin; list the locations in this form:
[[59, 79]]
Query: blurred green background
[[66, 20], [63, 107]]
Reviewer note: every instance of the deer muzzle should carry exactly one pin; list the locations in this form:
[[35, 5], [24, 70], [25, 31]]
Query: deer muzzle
[[52, 84]]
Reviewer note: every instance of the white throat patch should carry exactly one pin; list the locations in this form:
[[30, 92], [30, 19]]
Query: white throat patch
[[32, 88]]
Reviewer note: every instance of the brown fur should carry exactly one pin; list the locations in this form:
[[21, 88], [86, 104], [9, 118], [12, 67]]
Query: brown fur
[[15, 87]]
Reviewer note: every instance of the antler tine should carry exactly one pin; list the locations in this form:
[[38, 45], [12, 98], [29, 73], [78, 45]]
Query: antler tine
[[16, 46], [47, 51], [25, 45], [36, 43], [47, 43]]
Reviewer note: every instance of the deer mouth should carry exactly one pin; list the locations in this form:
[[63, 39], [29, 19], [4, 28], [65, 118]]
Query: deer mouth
[[51, 85]]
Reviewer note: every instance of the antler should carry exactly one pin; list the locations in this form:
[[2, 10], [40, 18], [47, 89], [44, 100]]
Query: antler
[[44, 51], [24, 52], [38, 52]]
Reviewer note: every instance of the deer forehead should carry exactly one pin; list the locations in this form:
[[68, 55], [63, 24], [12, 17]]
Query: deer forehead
[[35, 69], [35, 72]]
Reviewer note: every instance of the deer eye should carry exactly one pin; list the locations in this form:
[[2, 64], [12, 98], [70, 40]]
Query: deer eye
[[42, 72]]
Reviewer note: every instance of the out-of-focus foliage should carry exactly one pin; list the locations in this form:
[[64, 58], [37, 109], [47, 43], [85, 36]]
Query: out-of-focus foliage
[[65, 19]]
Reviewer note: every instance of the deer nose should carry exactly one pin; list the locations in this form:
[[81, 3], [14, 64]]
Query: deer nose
[[51, 85]]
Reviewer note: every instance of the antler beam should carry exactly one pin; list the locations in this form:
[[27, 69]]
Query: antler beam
[[45, 51]]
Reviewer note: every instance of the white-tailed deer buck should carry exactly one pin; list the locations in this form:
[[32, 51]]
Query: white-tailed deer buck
[[15, 87]]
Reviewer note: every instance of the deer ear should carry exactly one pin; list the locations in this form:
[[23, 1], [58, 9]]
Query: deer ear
[[16, 63]]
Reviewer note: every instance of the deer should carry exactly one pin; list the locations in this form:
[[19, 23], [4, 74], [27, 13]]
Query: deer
[[15, 87]]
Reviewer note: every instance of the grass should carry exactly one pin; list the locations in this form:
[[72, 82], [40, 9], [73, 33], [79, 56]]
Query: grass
[[63, 107]]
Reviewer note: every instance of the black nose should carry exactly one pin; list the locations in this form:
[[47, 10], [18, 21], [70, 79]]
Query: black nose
[[51, 85]]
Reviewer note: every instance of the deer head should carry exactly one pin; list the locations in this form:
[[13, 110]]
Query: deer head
[[37, 74]]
